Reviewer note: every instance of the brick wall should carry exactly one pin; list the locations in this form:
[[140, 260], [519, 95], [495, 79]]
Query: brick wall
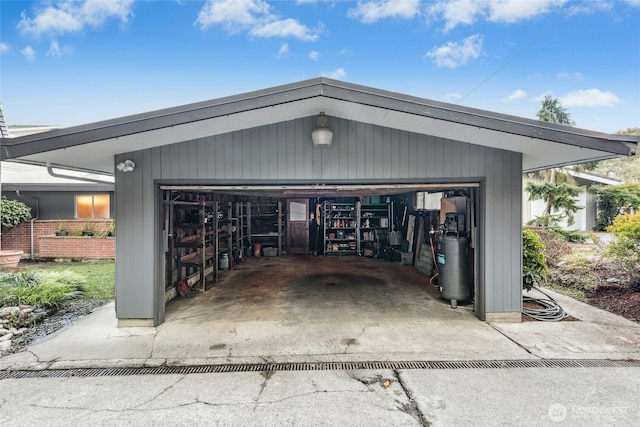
[[76, 247], [19, 238]]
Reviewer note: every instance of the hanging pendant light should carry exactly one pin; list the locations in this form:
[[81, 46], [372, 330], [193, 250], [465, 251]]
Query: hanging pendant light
[[322, 135]]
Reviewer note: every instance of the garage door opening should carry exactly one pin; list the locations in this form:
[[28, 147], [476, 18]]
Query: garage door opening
[[210, 231]]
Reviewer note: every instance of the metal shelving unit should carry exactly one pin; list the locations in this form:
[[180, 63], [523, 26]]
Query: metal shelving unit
[[374, 222], [341, 228]]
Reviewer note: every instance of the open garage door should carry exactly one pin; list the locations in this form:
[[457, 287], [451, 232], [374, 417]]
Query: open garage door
[[211, 229]]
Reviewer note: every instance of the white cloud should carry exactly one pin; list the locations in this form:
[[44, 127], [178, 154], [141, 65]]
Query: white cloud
[[314, 55], [466, 12], [337, 74], [589, 98], [29, 53], [254, 16], [55, 51], [452, 97], [569, 76], [4, 48], [284, 28], [453, 55], [511, 11], [515, 95], [283, 52], [233, 14], [373, 11], [457, 12], [70, 16]]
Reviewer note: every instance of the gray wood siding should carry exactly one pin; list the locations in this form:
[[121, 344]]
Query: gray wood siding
[[53, 204], [283, 152]]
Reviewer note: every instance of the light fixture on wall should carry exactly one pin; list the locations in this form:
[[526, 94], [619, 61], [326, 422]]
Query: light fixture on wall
[[126, 166], [322, 135]]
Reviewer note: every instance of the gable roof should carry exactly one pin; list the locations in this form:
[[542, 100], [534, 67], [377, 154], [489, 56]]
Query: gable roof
[[92, 146]]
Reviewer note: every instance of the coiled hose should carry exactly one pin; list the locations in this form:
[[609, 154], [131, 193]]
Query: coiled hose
[[551, 311]]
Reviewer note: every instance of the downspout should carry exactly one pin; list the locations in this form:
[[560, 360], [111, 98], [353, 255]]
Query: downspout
[[33, 220], [37, 199], [76, 178]]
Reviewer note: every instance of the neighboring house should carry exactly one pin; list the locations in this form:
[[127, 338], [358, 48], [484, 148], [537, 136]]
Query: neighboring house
[[227, 150], [585, 218], [55, 196]]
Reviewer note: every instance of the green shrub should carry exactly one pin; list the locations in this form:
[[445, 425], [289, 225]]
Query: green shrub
[[534, 265], [13, 212], [46, 289], [626, 229], [552, 222], [612, 200]]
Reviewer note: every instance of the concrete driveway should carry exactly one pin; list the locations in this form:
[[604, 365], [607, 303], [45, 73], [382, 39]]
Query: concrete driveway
[[288, 321]]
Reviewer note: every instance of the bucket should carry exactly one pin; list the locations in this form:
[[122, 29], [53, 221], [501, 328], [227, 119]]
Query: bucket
[[257, 249], [223, 263]]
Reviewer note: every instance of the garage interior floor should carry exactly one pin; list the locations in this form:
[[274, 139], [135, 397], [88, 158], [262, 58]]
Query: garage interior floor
[[302, 308]]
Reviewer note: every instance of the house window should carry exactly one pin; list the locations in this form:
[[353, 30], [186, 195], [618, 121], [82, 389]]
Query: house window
[[93, 206]]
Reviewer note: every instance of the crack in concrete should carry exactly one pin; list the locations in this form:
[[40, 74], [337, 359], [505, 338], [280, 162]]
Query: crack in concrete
[[412, 407], [153, 345], [157, 395], [267, 376], [353, 341], [513, 341], [310, 393]]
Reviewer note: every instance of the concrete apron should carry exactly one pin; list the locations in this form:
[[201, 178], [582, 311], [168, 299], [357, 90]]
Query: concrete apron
[[324, 309]]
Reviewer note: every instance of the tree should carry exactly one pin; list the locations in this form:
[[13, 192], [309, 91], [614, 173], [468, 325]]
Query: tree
[[557, 197], [626, 169], [553, 112], [614, 199], [555, 191]]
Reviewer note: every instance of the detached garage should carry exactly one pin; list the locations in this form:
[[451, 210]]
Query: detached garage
[[203, 187]]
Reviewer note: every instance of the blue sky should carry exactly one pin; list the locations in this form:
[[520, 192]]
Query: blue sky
[[74, 62]]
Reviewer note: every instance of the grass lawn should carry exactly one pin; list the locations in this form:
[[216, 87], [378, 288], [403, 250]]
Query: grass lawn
[[100, 275]]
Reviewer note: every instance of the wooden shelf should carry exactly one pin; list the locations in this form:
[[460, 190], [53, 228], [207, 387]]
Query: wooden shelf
[[265, 224]]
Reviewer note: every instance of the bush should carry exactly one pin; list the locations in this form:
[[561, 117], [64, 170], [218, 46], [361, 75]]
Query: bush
[[555, 248], [13, 212], [45, 290], [626, 229], [612, 200], [534, 264], [552, 222]]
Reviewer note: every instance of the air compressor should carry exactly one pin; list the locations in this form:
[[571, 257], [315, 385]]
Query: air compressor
[[453, 252]]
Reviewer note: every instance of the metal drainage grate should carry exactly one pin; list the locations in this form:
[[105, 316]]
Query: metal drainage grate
[[320, 366]]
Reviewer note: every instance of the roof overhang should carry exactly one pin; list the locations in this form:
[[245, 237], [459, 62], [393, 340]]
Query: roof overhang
[[320, 190], [94, 145]]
